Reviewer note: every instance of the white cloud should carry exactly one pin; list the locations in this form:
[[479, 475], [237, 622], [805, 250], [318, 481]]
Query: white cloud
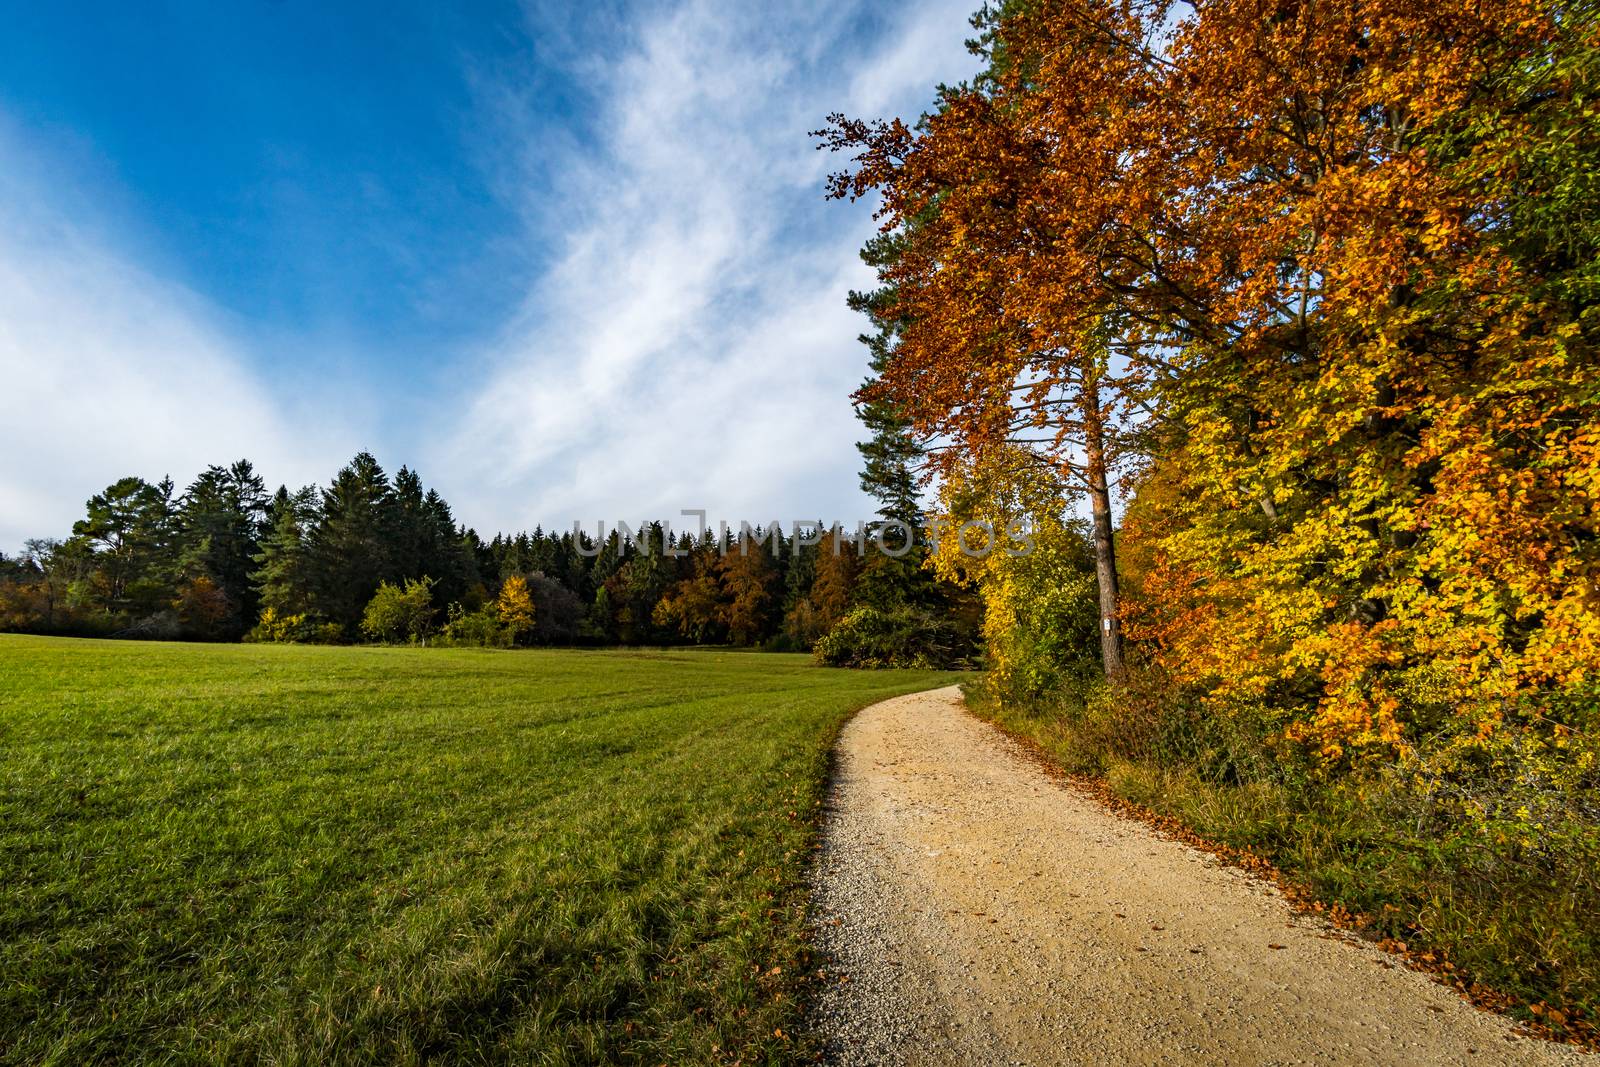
[[691, 348], [687, 347], [107, 370]]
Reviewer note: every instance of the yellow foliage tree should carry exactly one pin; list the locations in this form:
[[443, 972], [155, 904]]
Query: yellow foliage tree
[[515, 607], [1006, 530], [1344, 285]]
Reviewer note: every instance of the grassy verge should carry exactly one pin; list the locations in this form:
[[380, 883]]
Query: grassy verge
[[1504, 910], [318, 855]]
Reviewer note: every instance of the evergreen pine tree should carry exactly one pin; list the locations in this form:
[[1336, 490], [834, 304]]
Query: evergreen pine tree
[[891, 456], [128, 530], [350, 549], [282, 579], [220, 520]]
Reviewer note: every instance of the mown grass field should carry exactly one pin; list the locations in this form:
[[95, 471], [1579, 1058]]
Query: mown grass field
[[320, 855]]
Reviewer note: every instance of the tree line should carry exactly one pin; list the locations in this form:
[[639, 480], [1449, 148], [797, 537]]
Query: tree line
[[370, 557]]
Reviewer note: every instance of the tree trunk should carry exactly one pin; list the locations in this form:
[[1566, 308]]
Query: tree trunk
[[1105, 554]]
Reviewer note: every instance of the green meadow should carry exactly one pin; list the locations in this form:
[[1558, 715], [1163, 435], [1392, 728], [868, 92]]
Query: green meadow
[[282, 854]]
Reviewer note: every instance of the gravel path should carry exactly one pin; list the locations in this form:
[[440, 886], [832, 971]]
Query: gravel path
[[976, 911]]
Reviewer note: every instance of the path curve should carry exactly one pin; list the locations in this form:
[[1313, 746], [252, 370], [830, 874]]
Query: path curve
[[977, 911]]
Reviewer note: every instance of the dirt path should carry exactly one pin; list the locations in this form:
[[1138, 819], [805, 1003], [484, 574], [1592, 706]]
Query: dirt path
[[979, 912]]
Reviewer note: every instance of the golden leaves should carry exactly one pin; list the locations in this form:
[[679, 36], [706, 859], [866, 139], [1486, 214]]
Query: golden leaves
[[1372, 423]]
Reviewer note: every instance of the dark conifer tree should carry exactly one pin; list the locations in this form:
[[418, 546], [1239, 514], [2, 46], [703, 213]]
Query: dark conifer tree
[[801, 571], [220, 520], [409, 526], [350, 545], [446, 553], [891, 456], [639, 585], [282, 575], [128, 528]]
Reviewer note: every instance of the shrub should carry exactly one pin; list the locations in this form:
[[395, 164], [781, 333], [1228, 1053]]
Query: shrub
[[274, 626], [204, 609], [396, 613], [1042, 615], [804, 626], [1041, 612], [903, 637], [298, 629], [475, 629]]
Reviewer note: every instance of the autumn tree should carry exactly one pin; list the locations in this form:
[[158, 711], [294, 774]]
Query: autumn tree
[[1342, 258], [838, 569], [1314, 269], [693, 608], [751, 591], [994, 348], [24, 596], [515, 607], [49, 570]]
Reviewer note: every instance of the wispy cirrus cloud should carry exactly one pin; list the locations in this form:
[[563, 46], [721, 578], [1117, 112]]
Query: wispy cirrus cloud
[[683, 343], [689, 346]]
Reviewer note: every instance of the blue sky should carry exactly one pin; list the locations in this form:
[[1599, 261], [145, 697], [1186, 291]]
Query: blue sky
[[571, 262], [318, 172]]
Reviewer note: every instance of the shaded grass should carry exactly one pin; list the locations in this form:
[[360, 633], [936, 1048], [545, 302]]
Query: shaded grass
[[1507, 914], [312, 855]]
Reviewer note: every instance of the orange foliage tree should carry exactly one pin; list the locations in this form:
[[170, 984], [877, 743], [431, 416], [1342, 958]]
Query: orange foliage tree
[[1329, 268]]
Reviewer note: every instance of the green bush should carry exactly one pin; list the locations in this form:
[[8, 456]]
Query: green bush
[[1042, 615], [475, 629], [903, 637], [398, 613]]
